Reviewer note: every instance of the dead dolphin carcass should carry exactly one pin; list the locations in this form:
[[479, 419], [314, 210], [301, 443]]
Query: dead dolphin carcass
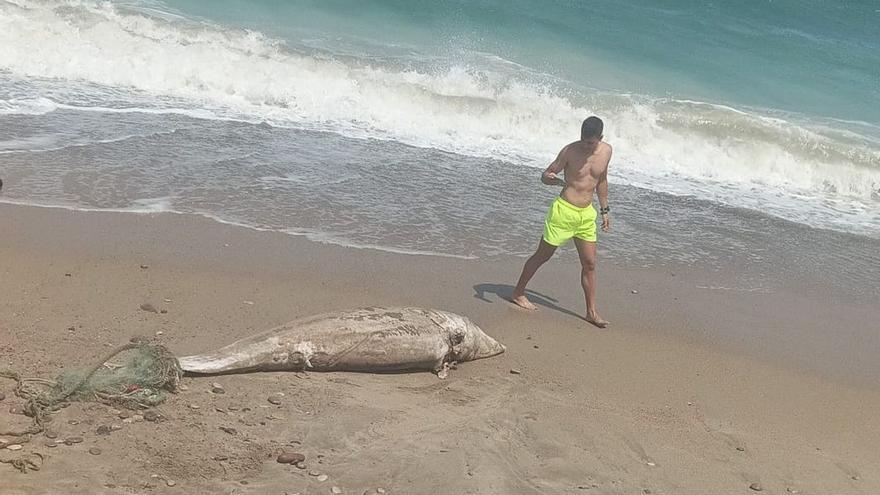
[[367, 339]]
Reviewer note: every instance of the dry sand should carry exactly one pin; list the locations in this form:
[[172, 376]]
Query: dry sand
[[691, 391]]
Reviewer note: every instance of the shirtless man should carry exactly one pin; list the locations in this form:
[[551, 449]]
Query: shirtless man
[[585, 166]]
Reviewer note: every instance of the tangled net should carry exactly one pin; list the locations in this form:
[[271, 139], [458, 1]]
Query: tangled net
[[140, 383]]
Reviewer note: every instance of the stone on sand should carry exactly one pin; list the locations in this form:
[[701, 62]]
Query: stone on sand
[[756, 487], [149, 308], [290, 458]]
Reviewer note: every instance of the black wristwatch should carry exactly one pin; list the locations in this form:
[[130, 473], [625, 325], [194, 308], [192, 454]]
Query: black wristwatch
[[605, 210]]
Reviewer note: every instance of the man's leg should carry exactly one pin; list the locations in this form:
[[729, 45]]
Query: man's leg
[[587, 253], [545, 252]]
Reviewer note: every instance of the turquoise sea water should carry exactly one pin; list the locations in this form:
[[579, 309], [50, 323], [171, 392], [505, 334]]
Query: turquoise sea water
[[812, 57], [743, 133]]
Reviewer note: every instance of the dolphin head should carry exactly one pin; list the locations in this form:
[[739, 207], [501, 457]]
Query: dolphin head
[[469, 342]]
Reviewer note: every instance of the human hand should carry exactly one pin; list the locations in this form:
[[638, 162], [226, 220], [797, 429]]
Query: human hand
[[606, 223], [550, 178]]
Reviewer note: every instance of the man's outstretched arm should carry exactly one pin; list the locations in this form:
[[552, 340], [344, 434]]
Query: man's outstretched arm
[[549, 176]]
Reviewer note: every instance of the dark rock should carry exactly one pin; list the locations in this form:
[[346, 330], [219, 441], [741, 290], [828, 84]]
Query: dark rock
[[756, 487], [103, 430], [515, 372], [144, 267], [227, 429], [290, 458], [275, 400], [149, 307]]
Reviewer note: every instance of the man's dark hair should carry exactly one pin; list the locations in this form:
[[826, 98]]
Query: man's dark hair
[[592, 127]]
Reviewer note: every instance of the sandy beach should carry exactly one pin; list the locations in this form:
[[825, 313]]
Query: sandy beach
[[692, 390]]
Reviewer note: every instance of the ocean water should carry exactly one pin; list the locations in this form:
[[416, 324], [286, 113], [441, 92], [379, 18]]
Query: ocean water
[[740, 129]]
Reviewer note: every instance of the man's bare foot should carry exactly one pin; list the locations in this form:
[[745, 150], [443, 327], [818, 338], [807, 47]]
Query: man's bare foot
[[597, 320], [523, 302]]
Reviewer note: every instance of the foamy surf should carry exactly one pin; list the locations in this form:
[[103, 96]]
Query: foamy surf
[[104, 58]]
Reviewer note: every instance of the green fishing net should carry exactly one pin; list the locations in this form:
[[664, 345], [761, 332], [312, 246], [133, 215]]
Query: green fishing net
[[146, 373]]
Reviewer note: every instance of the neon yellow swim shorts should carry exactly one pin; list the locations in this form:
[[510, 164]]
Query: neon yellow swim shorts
[[565, 220]]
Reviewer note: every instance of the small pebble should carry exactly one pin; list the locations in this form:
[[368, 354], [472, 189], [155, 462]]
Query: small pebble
[[16, 410], [103, 430], [182, 387], [151, 416], [95, 451], [144, 267], [115, 427], [221, 458], [163, 311], [275, 400], [73, 440], [290, 458], [216, 388], [335, 490], [756, 487], [170, 482], [50, 435], [634, 291], [14, 446], [149, 307], [314, 473], [51, 445], [322, 477], [741, 449], [515, 372], [227, 429], [73, 422], [792, 490], [159, 333], [856, 477]]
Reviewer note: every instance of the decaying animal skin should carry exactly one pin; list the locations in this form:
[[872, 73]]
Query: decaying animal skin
[[367, 339]]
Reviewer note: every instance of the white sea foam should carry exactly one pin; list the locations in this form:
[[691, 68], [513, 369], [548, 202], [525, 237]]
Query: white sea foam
[[680, 147]]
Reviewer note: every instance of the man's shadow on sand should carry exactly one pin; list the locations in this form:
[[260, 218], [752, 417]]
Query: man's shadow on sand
[[506, 291]]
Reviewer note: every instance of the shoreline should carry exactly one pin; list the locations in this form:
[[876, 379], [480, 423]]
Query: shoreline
[[660, 401]]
